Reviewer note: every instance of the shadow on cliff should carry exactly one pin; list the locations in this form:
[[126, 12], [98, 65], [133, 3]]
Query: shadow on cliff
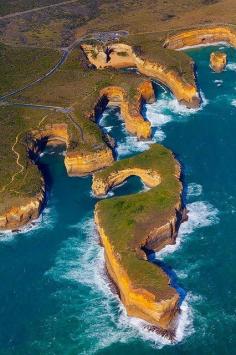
[[44, 167], [151, 255]]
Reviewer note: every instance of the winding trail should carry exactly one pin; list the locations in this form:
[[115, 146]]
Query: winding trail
[[17, 162], [18, 157]]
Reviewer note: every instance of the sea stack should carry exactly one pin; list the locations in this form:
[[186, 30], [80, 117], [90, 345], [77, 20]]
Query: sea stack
[[218, 61]]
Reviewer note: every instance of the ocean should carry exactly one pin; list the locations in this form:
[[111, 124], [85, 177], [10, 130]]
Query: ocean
[[55, 295]]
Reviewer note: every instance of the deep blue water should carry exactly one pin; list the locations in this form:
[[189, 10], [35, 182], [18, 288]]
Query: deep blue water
[[55, 298]]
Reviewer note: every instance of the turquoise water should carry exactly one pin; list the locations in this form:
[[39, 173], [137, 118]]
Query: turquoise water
[[55, 297]]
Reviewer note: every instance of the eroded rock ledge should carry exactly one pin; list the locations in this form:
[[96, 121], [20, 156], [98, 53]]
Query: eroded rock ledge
[[131, 110], [19, 215], [101, 186], [129, 226]]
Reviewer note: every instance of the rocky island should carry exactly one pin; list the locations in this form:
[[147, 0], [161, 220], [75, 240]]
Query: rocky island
[[131, 226], [218, 61]]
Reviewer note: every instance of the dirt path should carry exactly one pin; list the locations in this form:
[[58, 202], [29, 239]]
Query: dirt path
[[17, 162], [36, 9]]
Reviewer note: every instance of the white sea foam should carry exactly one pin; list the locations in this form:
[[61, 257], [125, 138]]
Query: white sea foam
[[46, 220], [222, 43], [233, 103], [132, 145], [83, 263], [231, 66], [194, 189], [166, 109], [200, 214]]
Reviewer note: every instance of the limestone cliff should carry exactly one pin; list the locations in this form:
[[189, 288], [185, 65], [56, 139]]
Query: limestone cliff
[[24, 212], [77, 162], [131, 111], [185, 92], [139, 302], [80, 163], [218, 61], [100, 187], [131, 226], [202, 36]]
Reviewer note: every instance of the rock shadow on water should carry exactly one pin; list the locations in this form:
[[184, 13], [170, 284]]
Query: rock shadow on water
[[170, 334]]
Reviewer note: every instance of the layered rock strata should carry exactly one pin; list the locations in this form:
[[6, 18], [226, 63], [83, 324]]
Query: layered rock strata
[[28, 210], [100, 186], [131, 110], [202, 36], [218, 61], [132, 225], [80, 163]]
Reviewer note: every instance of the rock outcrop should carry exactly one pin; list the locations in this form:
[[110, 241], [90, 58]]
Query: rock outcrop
[[100, 187], [26, 211], [131, 110], [80, 163], [77, 162], [139, 302], [132, 226], [202, 36], [218, 61], [185, 92]]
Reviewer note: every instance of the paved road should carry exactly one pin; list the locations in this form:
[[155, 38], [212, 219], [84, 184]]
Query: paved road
[[50, 72], [65, 53]]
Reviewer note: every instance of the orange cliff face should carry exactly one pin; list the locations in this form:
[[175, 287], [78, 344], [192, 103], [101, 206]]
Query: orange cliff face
[[27, 210], [139, 302], [202, 36], [218, 61], [83, 163], [185, 92], [160, 306], [77, 163], [101, 187], [131, 111]]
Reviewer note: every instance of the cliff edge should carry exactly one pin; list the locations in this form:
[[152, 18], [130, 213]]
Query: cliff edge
[[131, 226]]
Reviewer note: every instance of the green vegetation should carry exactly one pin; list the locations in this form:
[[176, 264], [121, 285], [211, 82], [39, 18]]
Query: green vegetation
[[75, 85], [78, 86], [20, 178], [128, 220], [150, 46], [20, 66]]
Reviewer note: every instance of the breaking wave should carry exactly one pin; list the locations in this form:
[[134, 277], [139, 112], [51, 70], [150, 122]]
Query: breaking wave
[[200, 214], [46, 220], [231, 66], [233, 103], [81, 260]]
